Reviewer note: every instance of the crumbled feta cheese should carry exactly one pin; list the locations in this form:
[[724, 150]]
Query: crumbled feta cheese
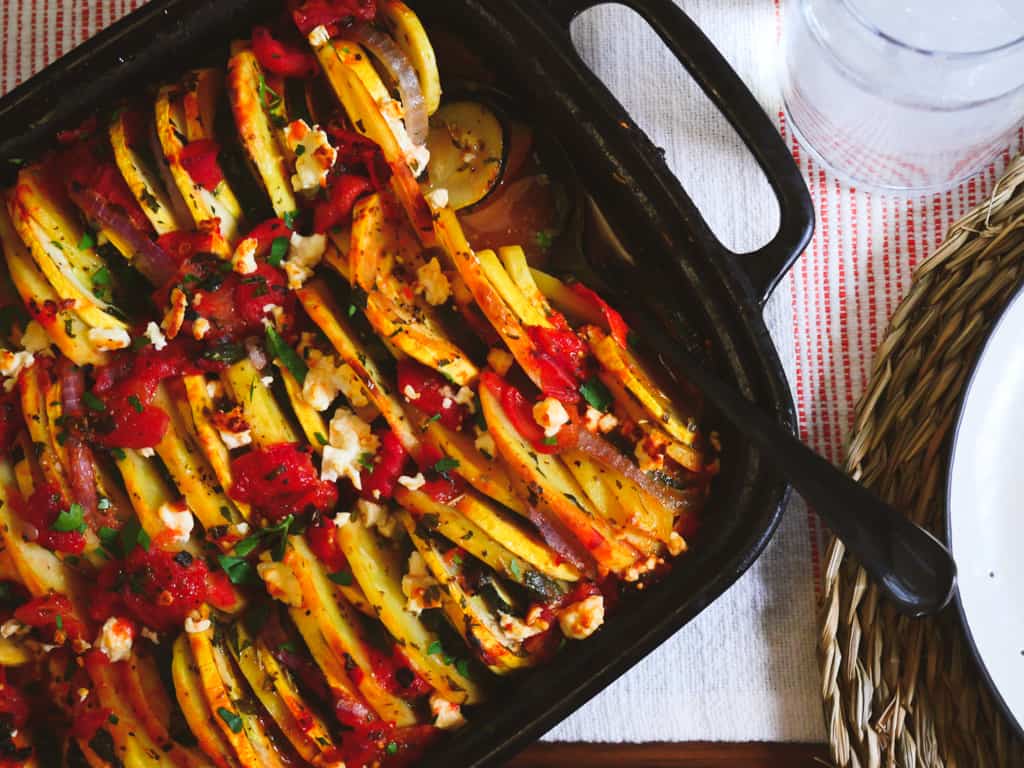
[[550, 414], [447, 403], [485, 444], [676, 544], [178, 519], [304, 255], [35, 339], [233, 440], [467, 397], [350, 437], [215, 389], [314, 156], [433, 283], [500, 360], [377, 516], [175, 316], [12, 627], [342, 519], [147, 452], [240, 529], [596, 421], [150, 635], [580, 620], [519, 630], [421, 589], [115, 639], [447, 714], [243, 261], [325, 380], [195, 625], [635, 571], [412, 483], [109, 339], [410, 393], [12, 364], [155, 336], [281, 583], [416, 157], [200, 327], [319, 36], [266, 381], [438, 198]]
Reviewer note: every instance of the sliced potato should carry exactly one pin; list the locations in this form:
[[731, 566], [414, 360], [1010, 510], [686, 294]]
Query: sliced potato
[[267, 421], [50, 229], [565, 300], [191, 473], [322, 309], [145, 183], [621, 364], [339, 625], [556, 488], [380, 242], [147, 490], [488, 476], [451, 237], [495, 272], [171, 127], [188, 689], [333, 669], [468, 614], [313, 425], [65, 327], [338, 59], [258, 135], [518, 268], [380, 576], [408, 32]]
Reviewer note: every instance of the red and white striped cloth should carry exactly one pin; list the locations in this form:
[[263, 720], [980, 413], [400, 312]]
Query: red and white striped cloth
[[746, 668]]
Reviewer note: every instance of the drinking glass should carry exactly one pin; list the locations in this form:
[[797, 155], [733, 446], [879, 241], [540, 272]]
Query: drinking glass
[[904, 95]]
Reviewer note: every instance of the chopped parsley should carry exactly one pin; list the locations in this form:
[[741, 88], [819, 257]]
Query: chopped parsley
[[232, 720], [434, 648], [238, 569], [278, 250], [543, 239], [596, 394], [392, 748], [344, 578], [93, 403], [447, 464], [88, 241], [70, 519], [553, 440], [135, 403], [279, 348], [320, 438]]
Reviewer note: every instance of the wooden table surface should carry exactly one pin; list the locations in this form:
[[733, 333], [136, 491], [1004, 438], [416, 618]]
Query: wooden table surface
[[682, 755]]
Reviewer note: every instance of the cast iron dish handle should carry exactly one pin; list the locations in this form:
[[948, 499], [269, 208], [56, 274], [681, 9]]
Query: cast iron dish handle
[[766, 266]]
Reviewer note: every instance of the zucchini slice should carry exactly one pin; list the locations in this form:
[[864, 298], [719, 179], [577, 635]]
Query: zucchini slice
[[468, 614], [407, 30], [51, 231], [623, 366], [65, 327], [188, 689], [261, 682], [380, 576], [339, 626], [339, 59], [246, 85], [556, 488], [321, 308], [145, 182], [462, 532], [267, 421], [468, 150]]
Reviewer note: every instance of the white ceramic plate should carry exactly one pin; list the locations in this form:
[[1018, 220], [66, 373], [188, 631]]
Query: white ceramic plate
[[986, 509]]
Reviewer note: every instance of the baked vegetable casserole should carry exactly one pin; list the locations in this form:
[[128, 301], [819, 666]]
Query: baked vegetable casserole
[[302, 440]]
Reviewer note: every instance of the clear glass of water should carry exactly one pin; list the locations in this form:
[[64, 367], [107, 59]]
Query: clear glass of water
[[904, 95]]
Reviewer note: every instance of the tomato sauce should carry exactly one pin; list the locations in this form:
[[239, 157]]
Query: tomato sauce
[[280, 480]]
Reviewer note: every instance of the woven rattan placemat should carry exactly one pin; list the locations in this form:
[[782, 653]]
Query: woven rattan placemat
[[902, 692]]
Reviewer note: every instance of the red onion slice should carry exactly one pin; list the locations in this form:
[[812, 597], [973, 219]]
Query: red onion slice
[[403, 73], [607, 454], [81, 471], [558, 537], [149, 258]]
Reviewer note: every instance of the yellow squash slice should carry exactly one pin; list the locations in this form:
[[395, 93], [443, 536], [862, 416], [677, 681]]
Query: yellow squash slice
[[189, 690], [407, 30], [267, 421]]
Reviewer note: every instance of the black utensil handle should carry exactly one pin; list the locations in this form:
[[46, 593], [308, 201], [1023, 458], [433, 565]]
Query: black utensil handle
[[767, 265]]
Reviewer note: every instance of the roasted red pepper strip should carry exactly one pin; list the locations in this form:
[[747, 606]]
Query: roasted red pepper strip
[[342, 192], [311, 14], [281, 59], [199, 159], [520, 412], [616, 325], [560, 356], [428, 391], [379, 482]]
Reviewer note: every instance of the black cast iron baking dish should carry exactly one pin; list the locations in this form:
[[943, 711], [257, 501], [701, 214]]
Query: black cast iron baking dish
[[719, 294]]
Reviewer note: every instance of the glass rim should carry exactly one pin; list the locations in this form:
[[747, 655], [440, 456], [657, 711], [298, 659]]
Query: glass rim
[[874, 29]]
